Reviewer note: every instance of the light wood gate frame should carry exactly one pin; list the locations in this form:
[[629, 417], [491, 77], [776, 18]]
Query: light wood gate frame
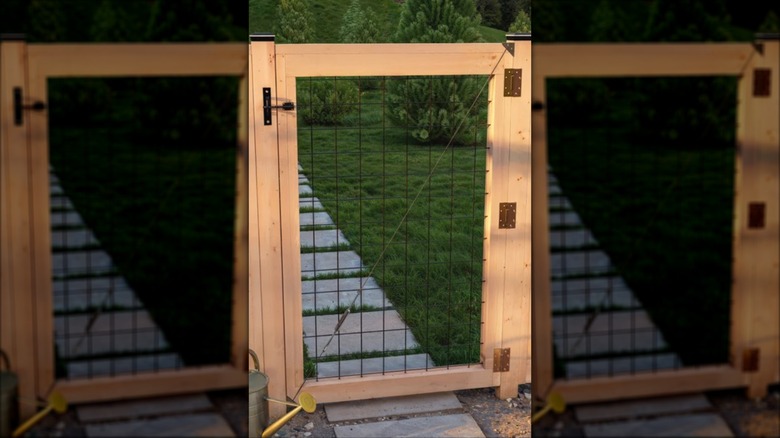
[[274, 250], [26, 328], [755, 296]]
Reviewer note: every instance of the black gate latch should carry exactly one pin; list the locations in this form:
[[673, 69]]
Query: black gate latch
[[19, 106], [267, 107]]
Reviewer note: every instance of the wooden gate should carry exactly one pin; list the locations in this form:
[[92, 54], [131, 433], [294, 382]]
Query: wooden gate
[[274, 241], [753, 350], [26, 259]]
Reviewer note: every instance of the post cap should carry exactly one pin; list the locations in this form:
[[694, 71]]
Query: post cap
[[12, 37], [768, 36], [518, 37], [262, 37]]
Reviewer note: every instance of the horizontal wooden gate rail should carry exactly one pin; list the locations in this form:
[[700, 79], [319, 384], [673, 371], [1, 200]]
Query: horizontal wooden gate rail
[[756, 249], [274, 261], [25, 250]]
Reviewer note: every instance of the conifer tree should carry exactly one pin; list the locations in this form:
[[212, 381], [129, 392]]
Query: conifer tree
[[436, 109], [295, 24]]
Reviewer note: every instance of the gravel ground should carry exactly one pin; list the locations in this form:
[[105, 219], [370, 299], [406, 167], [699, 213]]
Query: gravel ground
[[745, 417]]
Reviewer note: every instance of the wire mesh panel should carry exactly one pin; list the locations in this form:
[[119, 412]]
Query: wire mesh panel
[[392, 193], [142, 183], [640, 184]]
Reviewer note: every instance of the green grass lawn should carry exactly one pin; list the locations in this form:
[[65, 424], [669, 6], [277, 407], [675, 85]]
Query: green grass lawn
[[165, 214], [367, 173], [664, 214]]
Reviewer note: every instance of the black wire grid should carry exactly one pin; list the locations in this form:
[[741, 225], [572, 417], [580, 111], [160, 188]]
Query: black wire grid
[[142, 218], [640, 209], [391, 226]]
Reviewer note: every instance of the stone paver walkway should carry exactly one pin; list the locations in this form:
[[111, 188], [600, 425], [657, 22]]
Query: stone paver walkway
[[583, 279], [85, 279], [378, 331]]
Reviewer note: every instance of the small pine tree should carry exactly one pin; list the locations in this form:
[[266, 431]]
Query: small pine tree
[[435, 108], [522, 23], [359, 26], [295, 22], [771, 23]]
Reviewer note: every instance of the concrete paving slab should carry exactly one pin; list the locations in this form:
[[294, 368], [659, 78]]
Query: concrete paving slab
[[622, 365], [150, 407], [322, 238], [602, 343], [302, 179], [606, 322], [632, 409], [309, 203], [56, 189], [565, 218], [591, 284], [61, 202], [581, 300], [123, 365], [81, 262], [206, 425], [351, 284], [73, 238], [459, 425], [559, 202], [332, 300], [304, 190], [80, 344], [554, 189], [330, 263], [90, 284], [374, 365], [579, 262], [391, 406], [129, 320], [708, 424], [361, 332], [300, 168], [71, 217], [73, 301], [571, 238], [316, 218]]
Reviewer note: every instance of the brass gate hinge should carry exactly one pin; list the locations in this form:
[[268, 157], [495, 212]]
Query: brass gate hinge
[[501, 360], [512, 81], [750, 359]]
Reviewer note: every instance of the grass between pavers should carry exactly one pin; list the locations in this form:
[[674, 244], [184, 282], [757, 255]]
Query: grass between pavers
[[366, 174], [340, 309], [165, 214], [664, 216]]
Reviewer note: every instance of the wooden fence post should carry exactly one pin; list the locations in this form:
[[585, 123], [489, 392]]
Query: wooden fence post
[[542, 345], [239, 341], [756, 269], [509, 258], [17, 306], [266, 307]]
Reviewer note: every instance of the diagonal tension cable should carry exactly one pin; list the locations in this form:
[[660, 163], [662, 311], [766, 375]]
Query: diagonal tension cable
[[427, 180], [667, 191]]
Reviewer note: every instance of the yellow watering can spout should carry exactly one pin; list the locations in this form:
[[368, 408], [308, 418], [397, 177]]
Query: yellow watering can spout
[[306, 402]]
